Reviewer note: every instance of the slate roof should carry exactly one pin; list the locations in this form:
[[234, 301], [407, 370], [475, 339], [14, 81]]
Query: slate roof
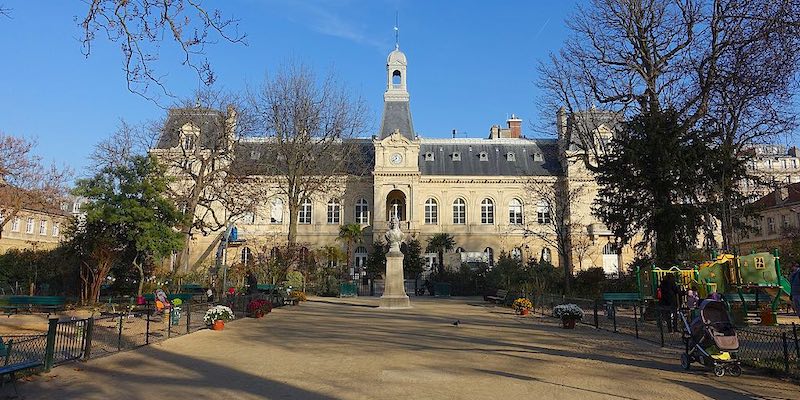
[[208, 121], [244, 162], [773, 199], [397, 115], [496, 163]]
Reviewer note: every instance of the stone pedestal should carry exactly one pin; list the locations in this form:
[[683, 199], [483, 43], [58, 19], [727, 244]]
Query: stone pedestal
[[394, 294]]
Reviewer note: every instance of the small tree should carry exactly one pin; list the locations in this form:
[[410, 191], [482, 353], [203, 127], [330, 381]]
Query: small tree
[[129, 200], [413, 262], [440, 243], [350, 234], [375, 265]]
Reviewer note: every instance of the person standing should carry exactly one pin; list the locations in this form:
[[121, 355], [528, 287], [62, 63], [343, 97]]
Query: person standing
[[668, 301], [794, 280]]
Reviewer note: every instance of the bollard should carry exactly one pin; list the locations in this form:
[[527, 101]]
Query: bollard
[[87, 338], [119, 334]]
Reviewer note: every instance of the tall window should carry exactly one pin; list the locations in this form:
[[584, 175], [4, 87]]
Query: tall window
[[56, 229], [15, 224], [276, 211], [360, 259], [487, 211], [515, 212], [546, 256], [305, 212], [431, 212], [247, 255], [543, 213], [489, 254], [459, 211], [516, 253], [188, 141], [29, 226], [43, 227], [362, 212], [770, 225], [334, 211]]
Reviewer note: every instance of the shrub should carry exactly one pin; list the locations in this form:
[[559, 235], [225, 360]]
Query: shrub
[[261, 305], [522, 304], [298, 295]]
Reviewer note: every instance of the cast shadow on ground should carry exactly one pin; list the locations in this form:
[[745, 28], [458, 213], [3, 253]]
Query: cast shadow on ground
[[200, 381]]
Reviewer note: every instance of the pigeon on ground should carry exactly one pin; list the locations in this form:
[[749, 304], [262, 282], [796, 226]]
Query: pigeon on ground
[[457, 323]]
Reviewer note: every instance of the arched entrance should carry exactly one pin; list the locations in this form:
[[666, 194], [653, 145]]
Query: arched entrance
[[396, 203]]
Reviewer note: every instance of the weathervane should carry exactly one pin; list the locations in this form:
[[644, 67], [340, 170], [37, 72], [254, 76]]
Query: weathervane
[[397, 30]]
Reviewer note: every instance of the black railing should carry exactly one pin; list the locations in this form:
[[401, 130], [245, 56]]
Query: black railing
[[774, 348]]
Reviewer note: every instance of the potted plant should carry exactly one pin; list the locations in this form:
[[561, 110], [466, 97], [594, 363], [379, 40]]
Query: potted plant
[[522, 306], [259, 307], [569, 313], [216, 316]]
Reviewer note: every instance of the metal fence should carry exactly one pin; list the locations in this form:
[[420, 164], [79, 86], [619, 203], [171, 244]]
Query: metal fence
[[774, 348]]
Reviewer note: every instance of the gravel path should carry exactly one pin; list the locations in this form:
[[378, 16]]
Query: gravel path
[[347, 349]]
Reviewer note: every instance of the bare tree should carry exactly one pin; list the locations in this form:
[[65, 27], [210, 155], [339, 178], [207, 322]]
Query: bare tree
[[25, 182], [5, 11], [631, 57], [139, 27], [197, 145], [550, 217], [307, 132]]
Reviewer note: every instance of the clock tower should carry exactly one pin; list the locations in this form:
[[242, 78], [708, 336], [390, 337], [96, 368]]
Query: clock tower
[[396, 151]]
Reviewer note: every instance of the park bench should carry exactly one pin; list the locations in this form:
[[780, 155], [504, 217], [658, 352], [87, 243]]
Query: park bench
[[30, 303], [499, 297], [748, 298], [9, 369], [621, 297]]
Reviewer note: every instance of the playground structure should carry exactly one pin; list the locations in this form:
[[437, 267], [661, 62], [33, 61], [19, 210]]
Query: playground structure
[[754, 281]]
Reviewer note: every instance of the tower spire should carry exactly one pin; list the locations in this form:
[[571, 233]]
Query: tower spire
[[397, 30]]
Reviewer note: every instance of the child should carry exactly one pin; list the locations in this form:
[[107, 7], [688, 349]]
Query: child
[[692, 298]]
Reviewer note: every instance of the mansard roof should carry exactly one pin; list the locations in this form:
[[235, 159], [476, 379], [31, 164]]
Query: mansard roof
[[210, 122], [252, 157], [489, 157]]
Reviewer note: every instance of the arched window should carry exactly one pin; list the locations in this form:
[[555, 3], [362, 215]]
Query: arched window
[[609, 249], [459, 250], [334, 211], [516, 253], [305, 212], [247, 256], [543, 213], [396, 78], [546, 256], [431, 212], [362, 212], [483, 156], [515, 212], [398, 205], [459, 211], [487, 211], [489, 254], [276, 211]]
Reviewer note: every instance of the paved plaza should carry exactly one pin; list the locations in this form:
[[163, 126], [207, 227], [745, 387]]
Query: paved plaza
[[347, 349]]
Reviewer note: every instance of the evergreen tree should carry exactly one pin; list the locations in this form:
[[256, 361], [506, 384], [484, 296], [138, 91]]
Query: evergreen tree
[[376, 261], [413, 262]]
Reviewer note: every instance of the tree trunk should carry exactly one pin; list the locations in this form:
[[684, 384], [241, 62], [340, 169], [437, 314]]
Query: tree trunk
[[141, 276], [294, 215]]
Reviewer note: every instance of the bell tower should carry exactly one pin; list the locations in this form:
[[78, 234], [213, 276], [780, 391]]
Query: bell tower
[[396, 109]]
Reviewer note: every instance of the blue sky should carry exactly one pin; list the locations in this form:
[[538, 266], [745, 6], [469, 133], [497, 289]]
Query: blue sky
[[471, 63]]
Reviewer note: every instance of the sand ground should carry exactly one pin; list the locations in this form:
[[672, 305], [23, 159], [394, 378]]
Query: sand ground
[[347, 349]]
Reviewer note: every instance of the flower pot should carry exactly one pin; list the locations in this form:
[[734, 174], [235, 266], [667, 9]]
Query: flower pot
[[524, 311], [569, 323], [218, 325]]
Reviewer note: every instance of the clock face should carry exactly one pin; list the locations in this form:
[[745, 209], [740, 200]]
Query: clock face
[[396, 158]]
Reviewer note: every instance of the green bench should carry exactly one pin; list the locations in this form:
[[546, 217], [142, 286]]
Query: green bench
[[748, 298], [30, 303], [12, 369], [621, 297], [265, 287], [348, 290]]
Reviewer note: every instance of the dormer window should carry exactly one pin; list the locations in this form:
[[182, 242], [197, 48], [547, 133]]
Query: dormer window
[[511, 157], [188, 141], [429, 156], [255, 155], [537, 157], [483, 156], [456, 156]]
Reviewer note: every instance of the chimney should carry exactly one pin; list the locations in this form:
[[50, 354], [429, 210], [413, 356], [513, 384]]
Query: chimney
[[454, 133], [793, 151], [515, 126]]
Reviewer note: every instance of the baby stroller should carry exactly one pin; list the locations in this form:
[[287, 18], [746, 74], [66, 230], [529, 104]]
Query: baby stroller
[[711, 340]]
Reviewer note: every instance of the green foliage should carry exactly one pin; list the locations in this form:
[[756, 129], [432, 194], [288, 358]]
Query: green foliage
[[439, 243], [413, 262], [466, 281], [52, 272], [375, 265], [649, 183], [294, 279]]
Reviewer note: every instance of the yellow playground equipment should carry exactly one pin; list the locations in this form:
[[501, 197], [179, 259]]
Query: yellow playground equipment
[[750, 279]]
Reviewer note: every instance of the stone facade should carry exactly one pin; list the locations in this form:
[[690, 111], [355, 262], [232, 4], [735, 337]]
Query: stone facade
[[483, 192]]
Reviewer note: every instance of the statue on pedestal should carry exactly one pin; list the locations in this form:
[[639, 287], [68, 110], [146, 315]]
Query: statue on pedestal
[[394, 295]]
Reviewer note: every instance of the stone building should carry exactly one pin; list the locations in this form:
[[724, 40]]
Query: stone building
[[36, 228], [489, 194], [777, 223]]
